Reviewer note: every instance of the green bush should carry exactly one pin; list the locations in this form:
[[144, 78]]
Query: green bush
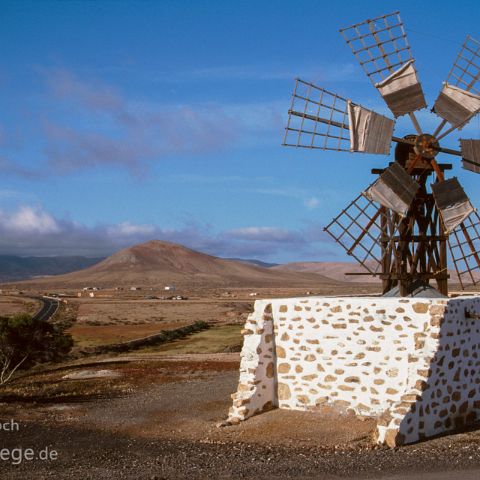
[[25, 342]]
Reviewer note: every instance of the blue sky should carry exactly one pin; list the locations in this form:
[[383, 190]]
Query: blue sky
[[126, 121]]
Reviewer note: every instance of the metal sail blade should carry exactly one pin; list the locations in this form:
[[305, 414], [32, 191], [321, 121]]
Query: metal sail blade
[[394, 189], [459, 98], [381, 47], [452, 203], [321, 119], [360, 228], [464, 244], [470, 154]]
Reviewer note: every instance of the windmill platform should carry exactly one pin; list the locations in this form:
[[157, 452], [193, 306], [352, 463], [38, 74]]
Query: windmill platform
[[412, 363]]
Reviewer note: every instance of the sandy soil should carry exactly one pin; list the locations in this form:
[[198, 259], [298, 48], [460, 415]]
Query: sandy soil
[[129, 311]]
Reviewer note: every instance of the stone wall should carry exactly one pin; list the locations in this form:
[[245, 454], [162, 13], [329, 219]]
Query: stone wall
[[410, 362]]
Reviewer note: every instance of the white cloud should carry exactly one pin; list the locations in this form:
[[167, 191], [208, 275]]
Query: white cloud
[[312, 202], [30, 220], [301, 194], [263, 234], [130, 229], [32, 231]]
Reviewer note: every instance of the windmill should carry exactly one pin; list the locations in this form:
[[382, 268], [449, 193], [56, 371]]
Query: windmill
[[399, 227]]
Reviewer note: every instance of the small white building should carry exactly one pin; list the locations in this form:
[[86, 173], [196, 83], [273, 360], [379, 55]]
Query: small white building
[[169, 288]]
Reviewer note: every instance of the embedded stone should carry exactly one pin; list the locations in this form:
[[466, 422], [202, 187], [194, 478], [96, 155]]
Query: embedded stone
[[283, 391], [283, 368], [280, 351], [303, 399], [269, 371], [352, 380], [393, 438], [419, 339], [420, 307], [437, 309], [246, 331], [463, 407]]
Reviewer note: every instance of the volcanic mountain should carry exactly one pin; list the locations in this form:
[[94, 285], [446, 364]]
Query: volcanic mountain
[[161, 263]]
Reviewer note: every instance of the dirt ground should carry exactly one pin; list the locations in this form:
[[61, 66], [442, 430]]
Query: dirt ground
[[162, 424], [153, 413], [12, 304]]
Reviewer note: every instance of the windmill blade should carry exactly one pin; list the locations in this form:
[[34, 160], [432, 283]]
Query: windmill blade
[[452, 203], [381, 47], [464, 244], [470, 154], [459, 99], [394, 189], [360, 228], [320, 119], [456, 105]]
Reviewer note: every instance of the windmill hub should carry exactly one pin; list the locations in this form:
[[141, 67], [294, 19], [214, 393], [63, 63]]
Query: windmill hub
[[426, 145]]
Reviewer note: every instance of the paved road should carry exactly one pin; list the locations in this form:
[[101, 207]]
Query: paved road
[[49, 308]]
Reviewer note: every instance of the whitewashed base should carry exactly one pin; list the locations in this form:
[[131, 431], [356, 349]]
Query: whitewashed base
[[413, 363]]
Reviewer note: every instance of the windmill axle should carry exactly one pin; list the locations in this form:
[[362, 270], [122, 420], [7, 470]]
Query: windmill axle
[[426, 145]]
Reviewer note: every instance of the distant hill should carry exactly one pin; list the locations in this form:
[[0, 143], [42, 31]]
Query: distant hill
[[160, 263], [333, 270], [14, 268], [252, 261], [336, 271]]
